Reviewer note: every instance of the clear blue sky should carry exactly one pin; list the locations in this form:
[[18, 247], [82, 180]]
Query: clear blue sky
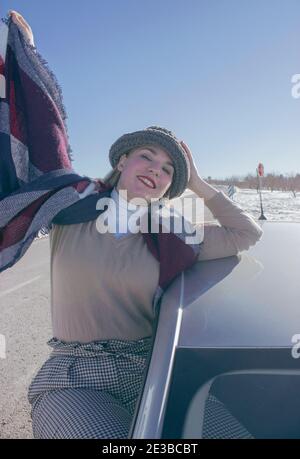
[[215, 72]]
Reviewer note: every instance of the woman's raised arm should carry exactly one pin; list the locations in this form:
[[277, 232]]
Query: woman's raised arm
[[37, 179], [20, 21], [238, 230]]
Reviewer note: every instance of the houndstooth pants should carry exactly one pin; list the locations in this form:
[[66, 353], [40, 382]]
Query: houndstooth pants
[[88, 390]]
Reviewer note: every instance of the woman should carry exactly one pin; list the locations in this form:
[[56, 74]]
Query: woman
[[103, 284]]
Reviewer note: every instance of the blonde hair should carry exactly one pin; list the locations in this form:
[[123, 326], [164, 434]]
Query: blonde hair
[[111, 179]]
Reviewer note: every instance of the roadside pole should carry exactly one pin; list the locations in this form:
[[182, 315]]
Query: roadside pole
[[260, 174]]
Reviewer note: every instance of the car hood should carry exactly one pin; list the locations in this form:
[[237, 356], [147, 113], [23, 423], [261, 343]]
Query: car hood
[[252, 299]]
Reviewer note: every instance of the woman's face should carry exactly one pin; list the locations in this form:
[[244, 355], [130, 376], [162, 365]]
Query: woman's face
[[150, 162]]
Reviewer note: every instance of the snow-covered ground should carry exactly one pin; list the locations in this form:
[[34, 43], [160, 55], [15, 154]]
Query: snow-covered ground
[[277, 205]]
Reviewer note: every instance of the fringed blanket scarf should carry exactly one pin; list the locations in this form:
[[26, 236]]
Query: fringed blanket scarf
[[38, 185]]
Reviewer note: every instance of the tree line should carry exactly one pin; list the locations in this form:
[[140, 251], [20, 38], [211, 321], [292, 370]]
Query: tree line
[[271, 181]]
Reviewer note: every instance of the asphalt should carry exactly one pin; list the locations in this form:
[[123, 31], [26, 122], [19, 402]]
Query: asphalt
[[25, 323]]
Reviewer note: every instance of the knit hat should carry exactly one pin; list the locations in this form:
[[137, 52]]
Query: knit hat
[[168, 141]]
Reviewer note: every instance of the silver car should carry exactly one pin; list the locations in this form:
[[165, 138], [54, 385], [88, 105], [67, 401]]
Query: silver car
[[225, 360]]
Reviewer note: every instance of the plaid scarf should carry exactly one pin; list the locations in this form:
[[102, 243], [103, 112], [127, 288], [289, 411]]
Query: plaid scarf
[[38, 185]]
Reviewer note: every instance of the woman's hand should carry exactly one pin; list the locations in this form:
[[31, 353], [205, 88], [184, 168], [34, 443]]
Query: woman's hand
[[194, 177], [20, 21], [196, 183]]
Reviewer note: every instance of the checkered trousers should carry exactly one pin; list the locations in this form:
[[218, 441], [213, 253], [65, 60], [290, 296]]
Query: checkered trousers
[[88, 390]]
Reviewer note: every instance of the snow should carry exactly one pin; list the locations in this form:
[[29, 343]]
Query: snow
[[277, 205]]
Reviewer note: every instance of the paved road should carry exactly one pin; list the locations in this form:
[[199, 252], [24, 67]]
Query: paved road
[[25, 321]]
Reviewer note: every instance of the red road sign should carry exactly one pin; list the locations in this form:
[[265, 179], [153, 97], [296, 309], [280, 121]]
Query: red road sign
[[260, 170]]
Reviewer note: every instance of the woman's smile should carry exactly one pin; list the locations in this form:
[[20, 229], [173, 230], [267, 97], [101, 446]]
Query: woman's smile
[[147, 181]]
